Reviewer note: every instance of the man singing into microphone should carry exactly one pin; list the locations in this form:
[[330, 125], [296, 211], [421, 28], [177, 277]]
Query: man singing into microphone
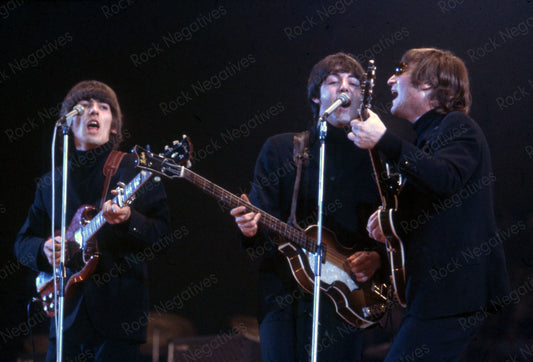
[[285, 310], [102, 319], [445, 207]]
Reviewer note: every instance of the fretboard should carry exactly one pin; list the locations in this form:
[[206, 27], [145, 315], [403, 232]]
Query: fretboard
[[98, 221], [270, 222], [379, 173]]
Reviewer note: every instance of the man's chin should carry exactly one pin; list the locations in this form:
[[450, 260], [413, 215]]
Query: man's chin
[[94, 142], [339, 123]]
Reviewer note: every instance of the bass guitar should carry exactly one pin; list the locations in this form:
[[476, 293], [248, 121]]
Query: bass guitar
[[81, 246], [389, 186], [359, 304]]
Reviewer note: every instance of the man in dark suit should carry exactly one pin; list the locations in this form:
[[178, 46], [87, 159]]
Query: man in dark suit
[[455, 264], [104, 318], [350, 196]]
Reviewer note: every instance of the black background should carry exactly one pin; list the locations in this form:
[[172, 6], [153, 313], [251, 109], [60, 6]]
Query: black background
[[47, 47]]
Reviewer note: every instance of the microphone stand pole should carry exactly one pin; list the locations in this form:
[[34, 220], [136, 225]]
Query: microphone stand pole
[[62, 269], [319, 255]]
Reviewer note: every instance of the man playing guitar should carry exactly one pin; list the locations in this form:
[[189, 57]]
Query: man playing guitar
[[445, 211], [285, 311], [103, 312]]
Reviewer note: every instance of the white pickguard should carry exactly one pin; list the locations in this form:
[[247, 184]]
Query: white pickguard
[[331, 273]]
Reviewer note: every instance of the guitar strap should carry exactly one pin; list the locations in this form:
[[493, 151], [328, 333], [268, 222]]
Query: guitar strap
[[110, 168], [300, 156]]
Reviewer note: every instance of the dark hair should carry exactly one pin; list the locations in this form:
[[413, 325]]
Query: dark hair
[[93, 89], [445, 73], [334, 63]]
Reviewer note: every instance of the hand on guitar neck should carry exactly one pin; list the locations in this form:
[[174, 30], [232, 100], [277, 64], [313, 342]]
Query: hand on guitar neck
[[113, 213], [365, 134], [247, 222]]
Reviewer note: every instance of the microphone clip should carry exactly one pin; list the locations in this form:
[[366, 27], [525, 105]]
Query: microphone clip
[[66, 120]]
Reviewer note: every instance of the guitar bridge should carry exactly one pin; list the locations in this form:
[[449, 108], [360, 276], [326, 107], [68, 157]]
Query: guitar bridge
[[381, 290], [374, 310]]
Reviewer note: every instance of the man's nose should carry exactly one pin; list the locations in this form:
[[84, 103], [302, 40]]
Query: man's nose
[[93, 107], [344, 85]]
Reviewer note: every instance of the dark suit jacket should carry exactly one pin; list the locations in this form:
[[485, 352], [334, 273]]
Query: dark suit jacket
[[454, 258], [350, 196], [116, 294]]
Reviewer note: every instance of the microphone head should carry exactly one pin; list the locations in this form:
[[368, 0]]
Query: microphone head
[[79, 109], [345, 99]]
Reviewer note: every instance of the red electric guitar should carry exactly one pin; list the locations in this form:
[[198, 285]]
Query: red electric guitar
[[81, 245]]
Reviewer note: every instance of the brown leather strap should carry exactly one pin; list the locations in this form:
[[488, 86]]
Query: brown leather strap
[[300, 157], [110, 168]]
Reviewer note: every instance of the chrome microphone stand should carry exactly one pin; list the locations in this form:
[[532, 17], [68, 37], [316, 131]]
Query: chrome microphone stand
[[62, 269], [64, 122], [319, 252]]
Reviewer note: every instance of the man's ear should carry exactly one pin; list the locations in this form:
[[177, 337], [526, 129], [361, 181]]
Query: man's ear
[[316, 100], [425, 87], [113, 131]]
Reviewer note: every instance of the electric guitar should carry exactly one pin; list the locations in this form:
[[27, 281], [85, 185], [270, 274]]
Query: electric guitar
[[81, 246], [389, 186], [359, 304]]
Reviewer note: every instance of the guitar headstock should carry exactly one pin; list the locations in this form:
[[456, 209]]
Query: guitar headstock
[[180, 151], [368, 88], [165, 163]]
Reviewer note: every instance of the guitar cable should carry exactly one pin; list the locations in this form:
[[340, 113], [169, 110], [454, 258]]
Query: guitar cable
[[28, 315], [390, 322]]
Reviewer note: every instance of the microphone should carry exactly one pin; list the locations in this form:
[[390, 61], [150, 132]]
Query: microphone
[[76, 110], [342, 100]]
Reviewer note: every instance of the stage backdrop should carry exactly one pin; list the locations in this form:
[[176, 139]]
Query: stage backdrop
[[229, 74]]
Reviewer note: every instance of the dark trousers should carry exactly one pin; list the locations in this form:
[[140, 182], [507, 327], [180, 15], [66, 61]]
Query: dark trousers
[[82, 342], [286, 336], [440, 339]]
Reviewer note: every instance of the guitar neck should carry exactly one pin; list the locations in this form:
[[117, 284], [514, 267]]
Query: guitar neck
[[270, 222], [377, 165], [379, 174], [89, 230]]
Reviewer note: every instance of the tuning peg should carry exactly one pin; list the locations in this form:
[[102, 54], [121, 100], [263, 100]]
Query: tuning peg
[[165, 150]]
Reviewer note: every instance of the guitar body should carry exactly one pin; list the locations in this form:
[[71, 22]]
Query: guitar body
[[81, 258], [359, 304]]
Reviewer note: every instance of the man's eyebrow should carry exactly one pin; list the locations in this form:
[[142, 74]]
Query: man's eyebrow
[[337, 74], [92, 100]]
